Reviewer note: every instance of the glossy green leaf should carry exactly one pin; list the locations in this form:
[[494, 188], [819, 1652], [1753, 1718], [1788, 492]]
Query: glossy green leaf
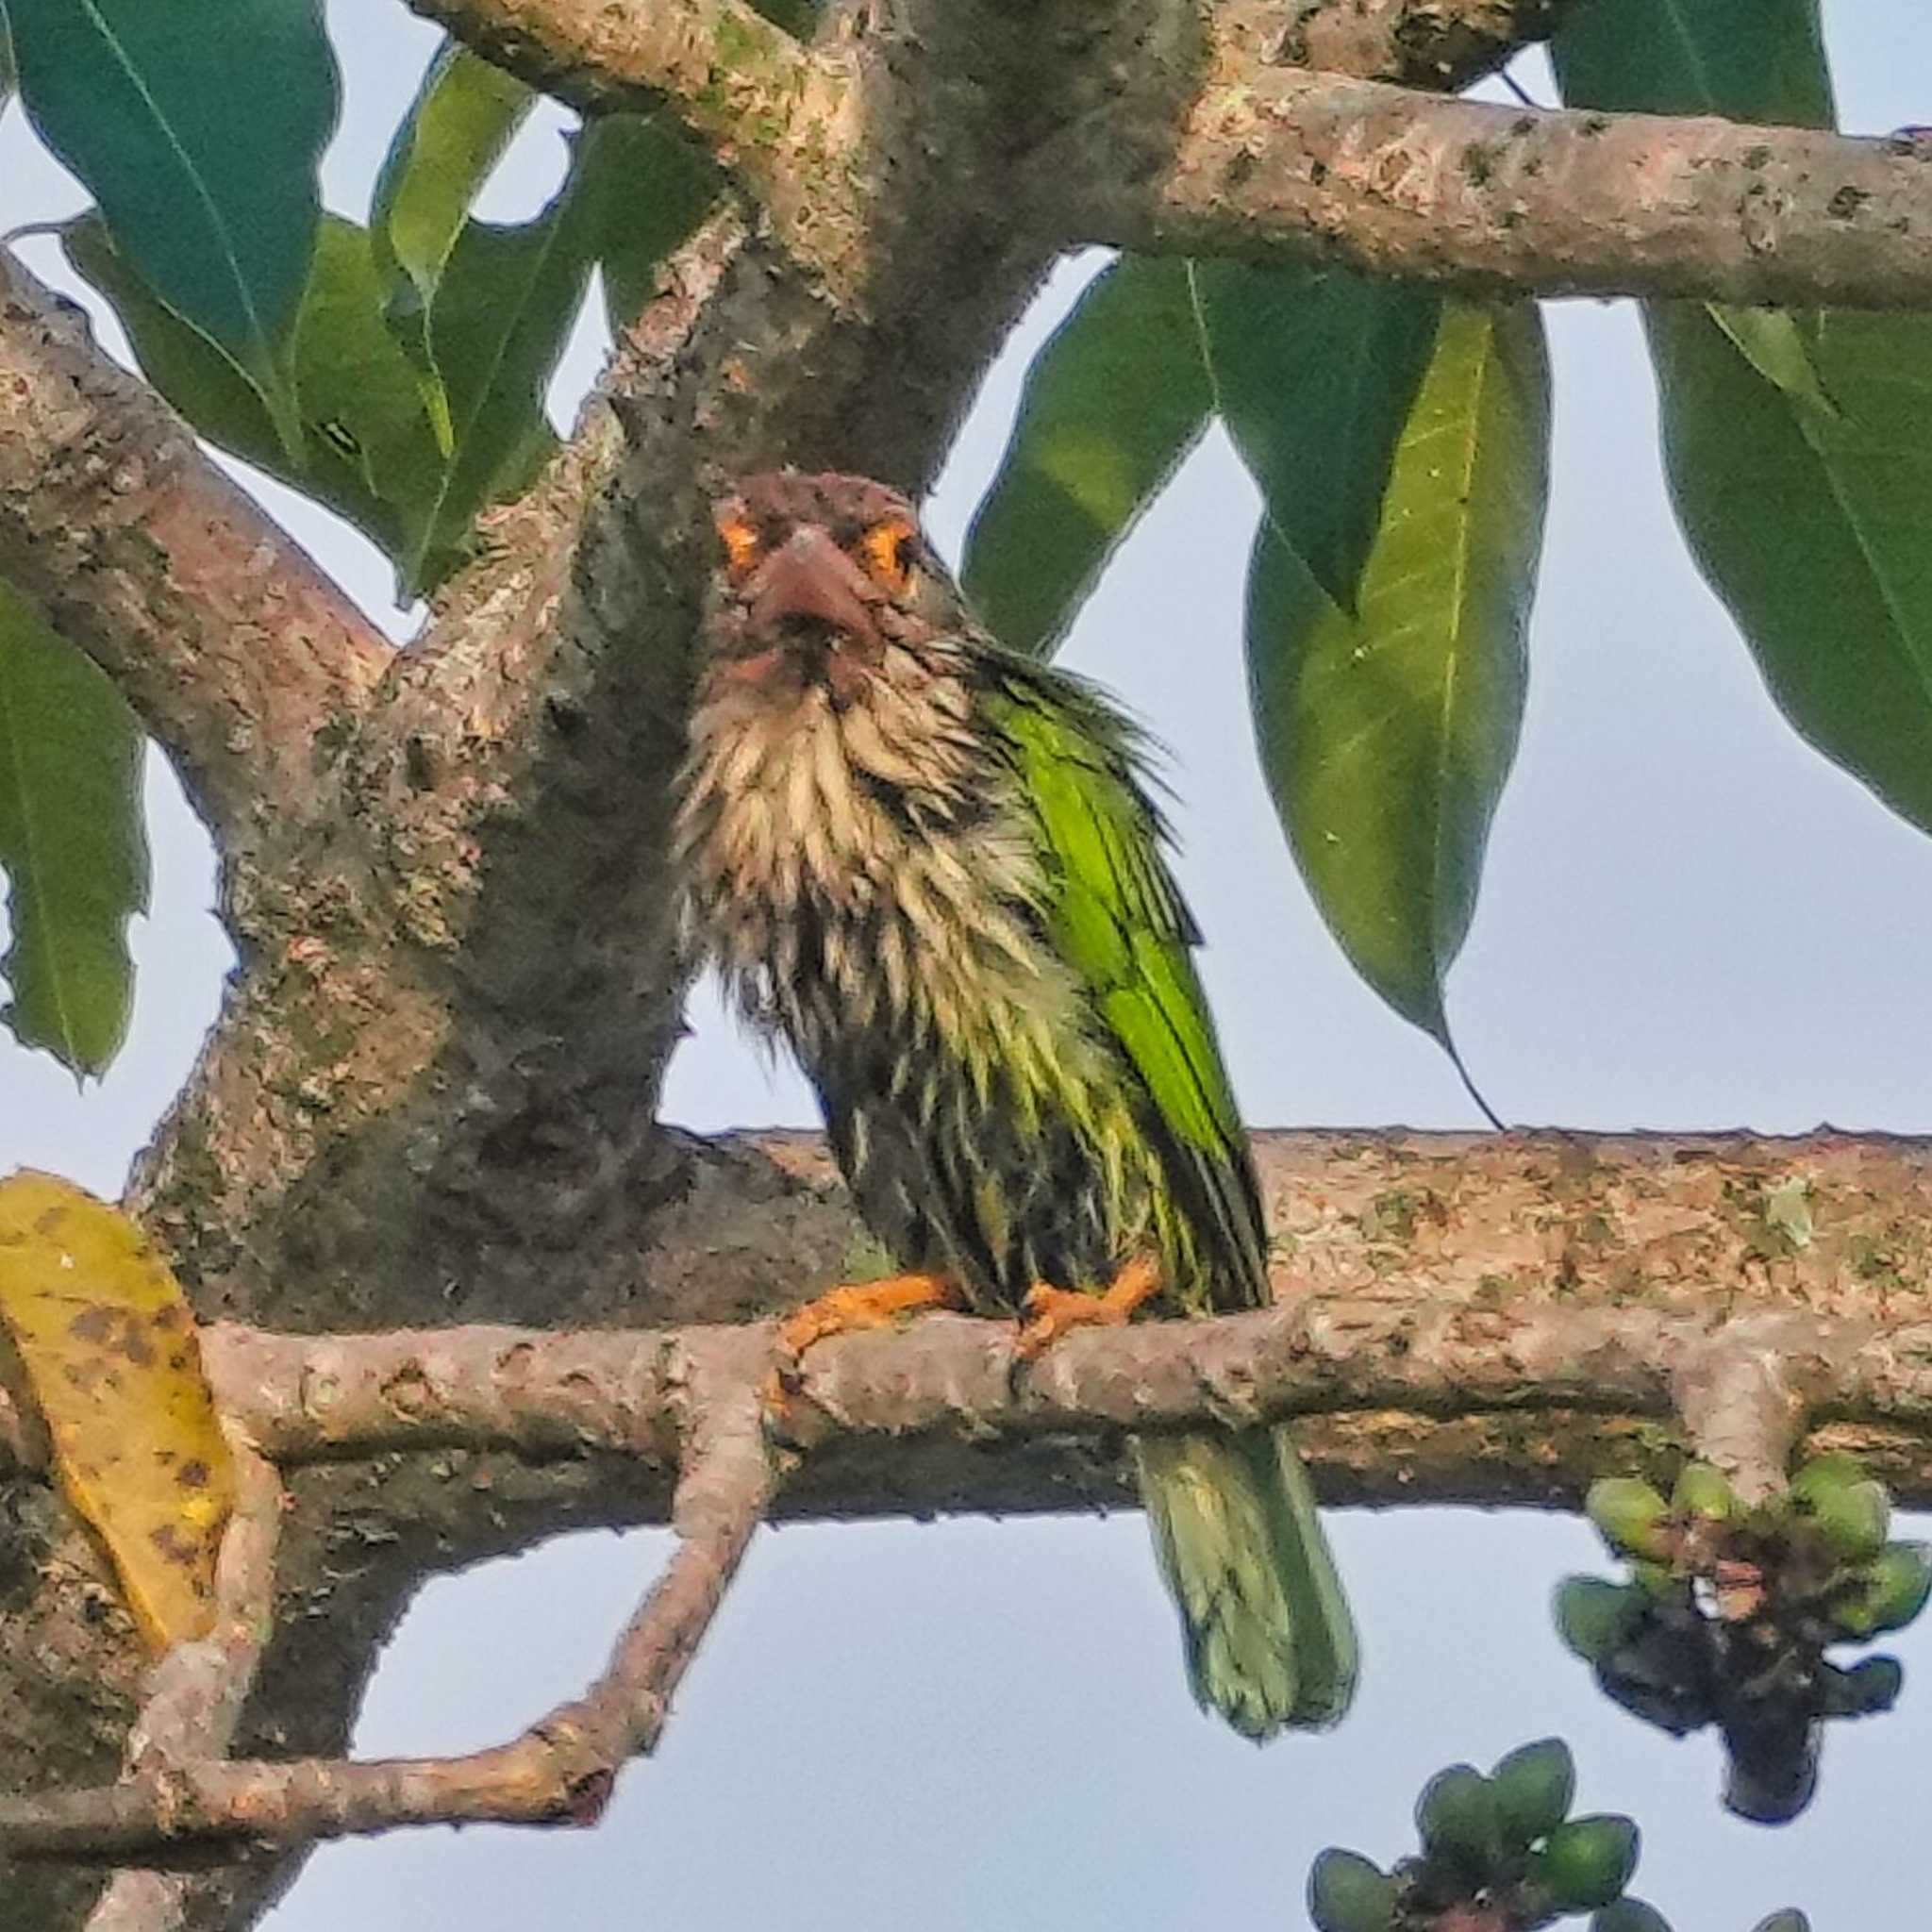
[[463, 117], [1112, 402], [367, 450], [501, 316], [1796, 445], [1748, 59], [1315, 371], [73, 846], [656, 187], [1812, 527], [1781, 346], [197, 125], [1386, 733]]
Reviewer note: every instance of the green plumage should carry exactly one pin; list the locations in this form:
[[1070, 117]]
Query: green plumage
[[1269, 1637], [934, 869]]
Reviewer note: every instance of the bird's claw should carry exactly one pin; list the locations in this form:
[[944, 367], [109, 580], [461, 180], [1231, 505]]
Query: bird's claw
[[840, 1311], [1055, 1311]]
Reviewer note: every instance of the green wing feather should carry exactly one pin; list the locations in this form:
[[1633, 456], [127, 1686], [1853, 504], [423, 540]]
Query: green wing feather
[[1266, 1624], [1118, 919]]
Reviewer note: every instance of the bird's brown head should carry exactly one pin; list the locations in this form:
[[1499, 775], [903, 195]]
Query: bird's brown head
[[818, 575]]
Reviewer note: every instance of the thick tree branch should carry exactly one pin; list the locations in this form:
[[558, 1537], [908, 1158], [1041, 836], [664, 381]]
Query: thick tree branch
[[1439, 45], [1541, 1304], [330, 1397], [1733, 1381], [236, 651], [776, 113], [726, 70], [1497, 199], [559, 1771]]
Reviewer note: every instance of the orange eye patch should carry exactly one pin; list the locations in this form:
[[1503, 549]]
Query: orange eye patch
[[889, 548], [741, 542]]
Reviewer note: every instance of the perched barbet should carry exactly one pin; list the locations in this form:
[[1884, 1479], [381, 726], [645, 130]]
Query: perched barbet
[[932, 867]]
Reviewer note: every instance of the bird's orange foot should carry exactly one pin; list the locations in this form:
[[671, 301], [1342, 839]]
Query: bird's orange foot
[[1052, 1311], [839, 1310]]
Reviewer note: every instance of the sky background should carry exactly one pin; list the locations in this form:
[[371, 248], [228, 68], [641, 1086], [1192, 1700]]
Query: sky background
[[1688, 921]]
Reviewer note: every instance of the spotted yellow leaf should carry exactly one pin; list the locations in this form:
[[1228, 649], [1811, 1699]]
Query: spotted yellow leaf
[[111, 1359]]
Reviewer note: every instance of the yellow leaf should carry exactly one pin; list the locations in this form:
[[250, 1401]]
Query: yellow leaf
[[112, 1359]]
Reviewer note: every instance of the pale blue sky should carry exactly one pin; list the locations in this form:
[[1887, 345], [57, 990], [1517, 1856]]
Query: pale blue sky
[[1689, 921]]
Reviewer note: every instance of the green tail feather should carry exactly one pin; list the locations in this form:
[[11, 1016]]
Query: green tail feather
[[1270, 1641]]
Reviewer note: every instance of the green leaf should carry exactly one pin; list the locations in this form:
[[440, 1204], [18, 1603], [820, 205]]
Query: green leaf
[[197, 125], [368, 451], [1315, 371], [1780, 345], [1811, 527], [656, 187], [1113, 401], [1747, 60], [502, 314], [463, 117], [72, 842], [1796, 445], [1385, 734]]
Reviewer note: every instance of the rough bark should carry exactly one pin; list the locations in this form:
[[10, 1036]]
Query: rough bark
[[1439, 45], [1496, 200], [234, 649]]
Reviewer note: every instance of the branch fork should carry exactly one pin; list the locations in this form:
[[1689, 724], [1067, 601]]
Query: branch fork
[[1735, 1391], [179, 1797]]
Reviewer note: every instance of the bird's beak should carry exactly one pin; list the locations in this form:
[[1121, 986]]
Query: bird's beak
[[810, 576]]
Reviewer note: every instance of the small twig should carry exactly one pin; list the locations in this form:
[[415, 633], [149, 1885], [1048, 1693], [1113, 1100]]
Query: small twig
[[1735, 1397], [558, 1772], [196, 1691]]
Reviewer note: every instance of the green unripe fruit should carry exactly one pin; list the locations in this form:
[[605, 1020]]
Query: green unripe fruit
[[1595, 1617], [1629, 1915], [1631, 1516], [1836, 1471], [1854, 1517], [1346, 1894], [1456, 1817], [1655, 1581], [1703, 1491], [1870, 1685], [1533, 1787], [1887, 1592], [1587, 1863]]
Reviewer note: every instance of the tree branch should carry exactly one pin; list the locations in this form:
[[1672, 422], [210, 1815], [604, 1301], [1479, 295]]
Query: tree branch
[[1734, 1392], [338, 1398], [1441, 45], [1492, 199], [560, 1771], [775, 113], [196, 1691], [236, 651], [1734, 1383]]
